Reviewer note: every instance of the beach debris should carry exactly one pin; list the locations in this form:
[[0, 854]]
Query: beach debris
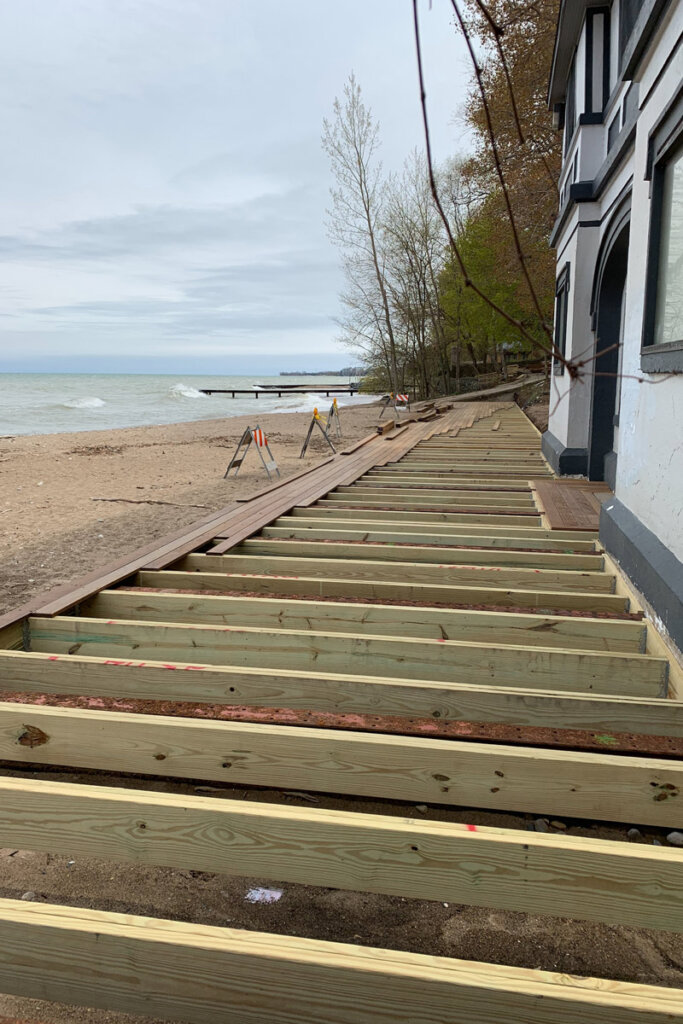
[[260, 895], [151, 501], [675, 838], [303, 796], [422, 808], [29, 896]]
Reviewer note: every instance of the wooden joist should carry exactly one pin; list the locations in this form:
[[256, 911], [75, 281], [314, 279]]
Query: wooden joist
[[336, 586], [208, 975], [355, 654], [487, 627], [562, 876], [405, 572], [452, 521], [477, 516], [458, 496], [31, 672], [370, 532], [410, 769], [416, 552]]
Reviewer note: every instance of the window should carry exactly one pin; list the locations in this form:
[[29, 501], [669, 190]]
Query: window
[[570, 108], [668, 324], [628, 14], [662, 349], [613, 130], [561, 310]]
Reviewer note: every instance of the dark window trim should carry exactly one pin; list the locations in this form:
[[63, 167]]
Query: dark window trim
[[590, 116], [562, 287], [571, 113], [665, 142], [665, 132], [644, 28], [606, 56], [588, 66], [630, 8]]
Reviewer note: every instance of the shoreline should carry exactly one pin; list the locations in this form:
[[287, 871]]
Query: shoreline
[[52, 530]]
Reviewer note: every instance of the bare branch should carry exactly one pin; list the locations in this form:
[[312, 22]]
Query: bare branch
[[549, 349], [499, 169]]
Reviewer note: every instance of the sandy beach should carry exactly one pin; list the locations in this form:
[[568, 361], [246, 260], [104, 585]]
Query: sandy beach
[[51, 528]]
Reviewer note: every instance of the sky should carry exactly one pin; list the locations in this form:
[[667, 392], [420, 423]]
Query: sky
[[162, 184]]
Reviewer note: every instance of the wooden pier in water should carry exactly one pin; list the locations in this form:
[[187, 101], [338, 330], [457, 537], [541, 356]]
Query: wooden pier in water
[[414, 582], [271, 390]]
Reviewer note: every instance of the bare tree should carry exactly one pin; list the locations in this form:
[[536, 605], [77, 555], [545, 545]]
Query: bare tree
[[351, 141]]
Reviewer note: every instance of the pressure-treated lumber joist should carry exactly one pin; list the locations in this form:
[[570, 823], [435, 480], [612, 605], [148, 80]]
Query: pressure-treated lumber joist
[[396, 657], [474, 472], [371, 532], [449, 519], [405, 572], [560, 876], [406, 552], [488, 627], [455, 495], [305, 585], [386, 475], [477, 513], [207, 975], [410, 769], [337, 693]]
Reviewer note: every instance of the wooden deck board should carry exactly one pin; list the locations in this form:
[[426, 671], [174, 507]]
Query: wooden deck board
[[568, 506]]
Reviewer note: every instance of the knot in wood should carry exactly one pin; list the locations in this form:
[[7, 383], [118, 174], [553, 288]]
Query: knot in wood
[[32, 736]]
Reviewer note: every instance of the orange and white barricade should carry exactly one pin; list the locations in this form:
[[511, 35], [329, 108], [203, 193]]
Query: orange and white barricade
[[400, 403], [256, 436]]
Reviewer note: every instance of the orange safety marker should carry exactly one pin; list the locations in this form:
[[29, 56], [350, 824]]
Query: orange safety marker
[[333, 421], [253, 435], [323, 426]]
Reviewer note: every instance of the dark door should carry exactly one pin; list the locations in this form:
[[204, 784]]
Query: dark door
[[609, 328]]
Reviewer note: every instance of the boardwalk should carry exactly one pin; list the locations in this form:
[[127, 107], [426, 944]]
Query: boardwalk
[[407, 586]]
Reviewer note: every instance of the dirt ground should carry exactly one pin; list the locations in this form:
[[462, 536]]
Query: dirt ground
[[54, 532], [51, 529]]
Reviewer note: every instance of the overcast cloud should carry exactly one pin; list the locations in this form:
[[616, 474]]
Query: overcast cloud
[[162, 184]]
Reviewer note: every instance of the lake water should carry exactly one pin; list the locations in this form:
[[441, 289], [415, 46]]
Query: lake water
[[49, 403]]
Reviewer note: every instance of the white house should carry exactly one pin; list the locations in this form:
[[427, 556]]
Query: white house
[[616, 88]]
